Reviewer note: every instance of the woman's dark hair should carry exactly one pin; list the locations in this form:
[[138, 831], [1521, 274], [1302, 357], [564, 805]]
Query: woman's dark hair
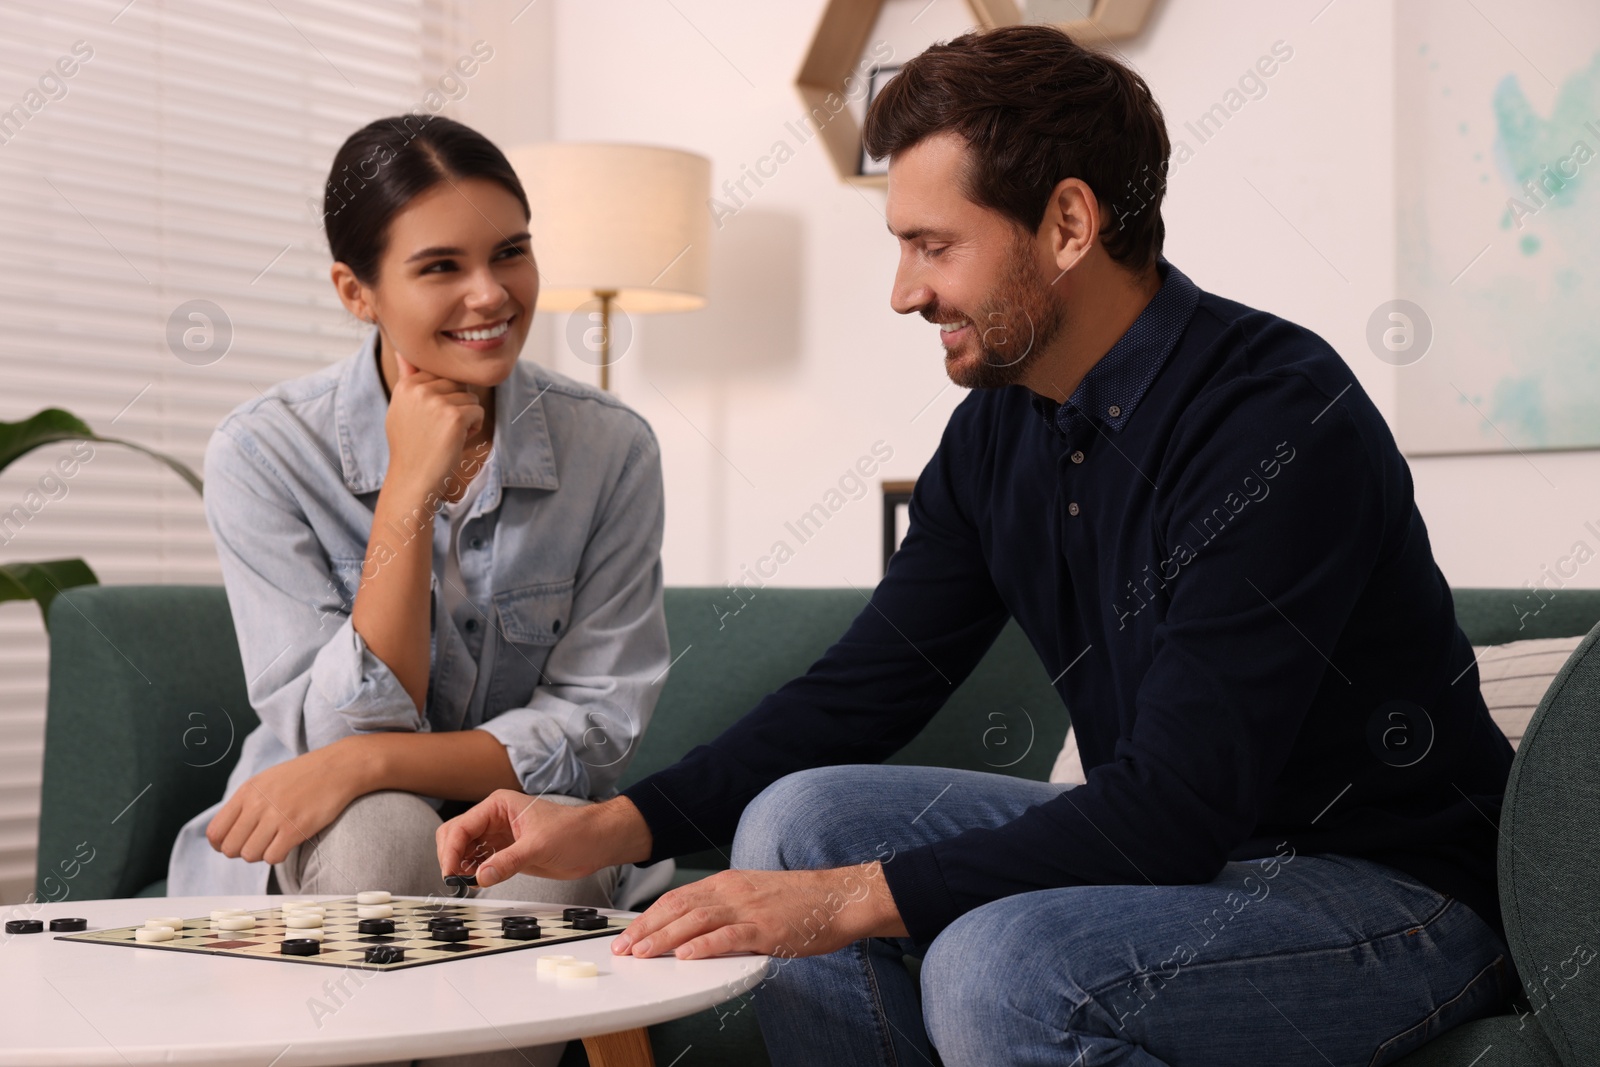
[[1035, 107], [384, 164]]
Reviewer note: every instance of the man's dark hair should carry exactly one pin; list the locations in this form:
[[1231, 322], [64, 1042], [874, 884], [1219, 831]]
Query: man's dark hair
[[1035, 107]]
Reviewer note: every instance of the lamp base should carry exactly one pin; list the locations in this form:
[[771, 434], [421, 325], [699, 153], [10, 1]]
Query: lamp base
[[606, 296]]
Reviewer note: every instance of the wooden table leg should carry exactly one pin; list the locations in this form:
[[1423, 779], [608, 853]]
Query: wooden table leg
[[626, 1048]]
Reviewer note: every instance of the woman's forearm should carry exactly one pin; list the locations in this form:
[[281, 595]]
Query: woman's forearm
[[391, 611], [452, 765]]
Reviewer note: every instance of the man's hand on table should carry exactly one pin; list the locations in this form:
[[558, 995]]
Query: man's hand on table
[[775, 913]]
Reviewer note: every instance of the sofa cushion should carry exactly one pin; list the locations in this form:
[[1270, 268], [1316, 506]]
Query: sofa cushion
[[146, 710], [1068, 767], [1503, 1041], [1549, 882], [1500, 616], [1515, 676]]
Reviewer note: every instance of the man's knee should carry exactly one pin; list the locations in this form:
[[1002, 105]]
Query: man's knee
[[985, 970], [984, 966], [796, 822], [950, 966], [761, 828]]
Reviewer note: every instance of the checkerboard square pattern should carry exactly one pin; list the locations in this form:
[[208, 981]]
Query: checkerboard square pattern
[[343, 944]]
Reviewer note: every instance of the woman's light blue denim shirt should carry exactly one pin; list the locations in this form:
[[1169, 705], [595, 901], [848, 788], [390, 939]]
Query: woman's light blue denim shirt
[[559, 648]]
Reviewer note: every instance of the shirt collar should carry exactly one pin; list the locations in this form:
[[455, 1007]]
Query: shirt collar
[[522, 454], [1112, 389]]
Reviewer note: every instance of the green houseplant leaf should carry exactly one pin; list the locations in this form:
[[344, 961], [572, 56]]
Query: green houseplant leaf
[[54, 424], [42, 581]]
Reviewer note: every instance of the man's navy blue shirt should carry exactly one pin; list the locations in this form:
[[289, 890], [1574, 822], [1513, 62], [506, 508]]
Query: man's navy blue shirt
[[1215, 550]]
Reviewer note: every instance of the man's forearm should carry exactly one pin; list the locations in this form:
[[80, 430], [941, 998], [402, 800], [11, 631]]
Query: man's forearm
[[882, 913], [622, 825]]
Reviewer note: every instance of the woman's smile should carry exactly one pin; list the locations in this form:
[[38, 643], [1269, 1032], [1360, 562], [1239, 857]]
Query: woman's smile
[[482, 338]]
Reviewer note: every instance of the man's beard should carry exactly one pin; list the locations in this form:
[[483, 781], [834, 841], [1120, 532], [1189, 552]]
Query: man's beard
[[1018, 321]]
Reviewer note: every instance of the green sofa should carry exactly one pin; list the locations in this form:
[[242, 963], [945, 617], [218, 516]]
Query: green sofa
[[147, 705]]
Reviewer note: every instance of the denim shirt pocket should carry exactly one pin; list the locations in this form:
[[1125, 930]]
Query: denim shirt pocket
[[535, 614], [532, 619]]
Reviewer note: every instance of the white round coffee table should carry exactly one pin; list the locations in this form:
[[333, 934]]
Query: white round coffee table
[[76, 1004]]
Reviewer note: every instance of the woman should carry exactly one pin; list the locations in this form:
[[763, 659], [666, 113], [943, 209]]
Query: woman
[[442, 562]]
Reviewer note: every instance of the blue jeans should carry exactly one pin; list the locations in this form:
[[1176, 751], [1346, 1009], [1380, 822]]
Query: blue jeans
[[1294, 959]]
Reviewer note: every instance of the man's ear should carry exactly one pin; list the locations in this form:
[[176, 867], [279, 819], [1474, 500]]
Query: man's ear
[[1071, 222]]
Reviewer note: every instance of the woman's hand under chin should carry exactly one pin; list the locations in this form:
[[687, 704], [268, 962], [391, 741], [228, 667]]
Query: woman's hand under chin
[[429, 421]]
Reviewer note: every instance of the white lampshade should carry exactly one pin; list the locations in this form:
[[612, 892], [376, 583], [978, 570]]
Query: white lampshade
[[629, 219]]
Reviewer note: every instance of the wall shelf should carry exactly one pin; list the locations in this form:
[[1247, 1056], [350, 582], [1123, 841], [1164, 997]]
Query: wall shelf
[[841, 38]]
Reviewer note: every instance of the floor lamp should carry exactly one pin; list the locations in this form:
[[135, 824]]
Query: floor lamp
[[617, 227]]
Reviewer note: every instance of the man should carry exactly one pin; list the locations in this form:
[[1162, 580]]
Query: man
[[1285, 848]]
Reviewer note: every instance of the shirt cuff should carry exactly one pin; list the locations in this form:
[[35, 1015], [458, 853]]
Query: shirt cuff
[[671, 834], [924, 901], [540, 752], [356, 685]]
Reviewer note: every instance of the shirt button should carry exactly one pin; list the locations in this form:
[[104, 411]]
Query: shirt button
[[1077, 456], [1072, 508], [472, 626], [476, 542], [1114, 410]]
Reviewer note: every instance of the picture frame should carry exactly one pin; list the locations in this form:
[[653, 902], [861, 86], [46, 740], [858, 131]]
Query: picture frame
[[877, 78], [896, 515]]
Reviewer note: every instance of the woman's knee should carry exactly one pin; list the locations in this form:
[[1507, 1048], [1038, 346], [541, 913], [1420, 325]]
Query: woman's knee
[[382, 840], [388, 813], [562, 798], [805, 821], [597, 890]]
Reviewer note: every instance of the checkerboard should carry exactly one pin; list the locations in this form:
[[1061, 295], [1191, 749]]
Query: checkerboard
[[344, 945]]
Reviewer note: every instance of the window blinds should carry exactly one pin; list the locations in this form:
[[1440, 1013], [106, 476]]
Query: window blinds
[[178, 161]]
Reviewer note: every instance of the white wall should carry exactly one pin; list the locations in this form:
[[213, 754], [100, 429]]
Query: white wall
[[798, 365], [766, 398]]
